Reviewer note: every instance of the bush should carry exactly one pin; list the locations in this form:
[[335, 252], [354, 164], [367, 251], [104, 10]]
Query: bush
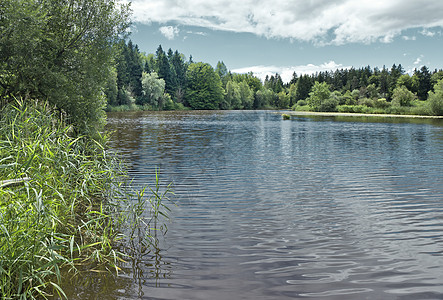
[[402, 97], [345, 108], [381, 103], [301, 103], [367, 102], [435, 100], [328, 105]]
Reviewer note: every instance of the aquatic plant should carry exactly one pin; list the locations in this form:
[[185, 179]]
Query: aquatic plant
[[62, 202]]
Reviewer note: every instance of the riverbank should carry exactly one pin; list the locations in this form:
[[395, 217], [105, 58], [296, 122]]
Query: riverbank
[[338, 114]]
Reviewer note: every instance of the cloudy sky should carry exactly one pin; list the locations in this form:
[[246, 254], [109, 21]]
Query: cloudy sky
[[283, 36]]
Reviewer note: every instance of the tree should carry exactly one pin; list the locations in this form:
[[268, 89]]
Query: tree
[[405, 80], [179, 66], [153, 90], [61, 51], [303, 87], [424, 82], [204, 88], [319, 97], [435, 100], [263, 98], [402, 96], [283, 100], [134, 69], [246, 95], [222, 72], [164, 70], [292, 94]]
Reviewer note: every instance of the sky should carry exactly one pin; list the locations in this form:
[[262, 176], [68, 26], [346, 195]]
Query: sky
[[286, 36]]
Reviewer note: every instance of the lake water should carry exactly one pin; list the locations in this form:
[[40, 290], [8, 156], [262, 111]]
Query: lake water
[[315, 208]]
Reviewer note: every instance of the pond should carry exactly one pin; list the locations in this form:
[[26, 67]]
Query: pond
[[312, 207]]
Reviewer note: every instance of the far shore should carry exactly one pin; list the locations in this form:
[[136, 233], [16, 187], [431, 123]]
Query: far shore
[[338, 114]]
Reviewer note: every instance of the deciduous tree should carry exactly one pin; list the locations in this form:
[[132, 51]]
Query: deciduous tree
[[204, 88]]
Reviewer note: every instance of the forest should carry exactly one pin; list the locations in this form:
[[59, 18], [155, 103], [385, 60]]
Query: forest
[[167, 80]]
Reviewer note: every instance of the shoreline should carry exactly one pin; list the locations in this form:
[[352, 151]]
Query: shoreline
[[338, 114]]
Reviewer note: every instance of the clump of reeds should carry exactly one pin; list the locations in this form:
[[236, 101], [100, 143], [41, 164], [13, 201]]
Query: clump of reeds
[[62, 210]]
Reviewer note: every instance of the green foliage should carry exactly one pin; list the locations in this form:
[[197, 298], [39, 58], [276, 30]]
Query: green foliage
[[402, 96], [319, 95], [286, 116], [69, 208], [304, 86], [302, 103], [435, 100], [63, 216], [232, 96], [222, 72], [382, 103], [61, 51], [264, 98], [153, 90], [283, 100], [246, 95], [204, 89], [274, 83], [292, 93], [423, 78], [367, 102]]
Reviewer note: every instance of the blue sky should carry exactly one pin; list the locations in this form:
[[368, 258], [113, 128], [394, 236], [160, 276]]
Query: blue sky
[[279, 36]]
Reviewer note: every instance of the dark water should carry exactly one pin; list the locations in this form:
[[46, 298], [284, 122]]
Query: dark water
[[313, 208]]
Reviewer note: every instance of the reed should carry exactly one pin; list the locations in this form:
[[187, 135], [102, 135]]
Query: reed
[[66, 208]]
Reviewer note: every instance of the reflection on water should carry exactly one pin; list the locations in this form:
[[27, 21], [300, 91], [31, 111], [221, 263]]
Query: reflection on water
[[273, 209]]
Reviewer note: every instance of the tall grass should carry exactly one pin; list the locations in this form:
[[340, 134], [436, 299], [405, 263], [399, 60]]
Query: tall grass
[[66, 211]]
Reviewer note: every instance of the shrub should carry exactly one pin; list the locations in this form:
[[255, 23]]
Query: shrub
[[367, 102], [301, 103], [328, 105], [381, 103], [402, 97], [435, 100]]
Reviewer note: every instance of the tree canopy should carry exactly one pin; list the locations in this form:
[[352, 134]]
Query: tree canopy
[[204, 89], [60, 51]]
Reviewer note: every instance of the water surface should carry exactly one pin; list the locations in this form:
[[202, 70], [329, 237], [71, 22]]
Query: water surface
[[314, 208]]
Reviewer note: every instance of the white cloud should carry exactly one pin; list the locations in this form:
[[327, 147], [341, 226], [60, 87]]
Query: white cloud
[[409, 38], [418, 60], [169, 32], [427, 32], [197, 33], [286, 72], [318, 21]]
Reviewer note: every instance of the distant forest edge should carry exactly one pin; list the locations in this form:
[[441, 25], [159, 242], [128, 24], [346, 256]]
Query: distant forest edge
[[170, 81]]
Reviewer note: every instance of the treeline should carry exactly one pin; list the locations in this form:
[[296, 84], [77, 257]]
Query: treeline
[[167, 80], [369, 90]]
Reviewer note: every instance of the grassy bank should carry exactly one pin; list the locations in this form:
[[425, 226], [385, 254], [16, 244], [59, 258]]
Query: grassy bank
[[342, 114], [373, 107], [60, 202]]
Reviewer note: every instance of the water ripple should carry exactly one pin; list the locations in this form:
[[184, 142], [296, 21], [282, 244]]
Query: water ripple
[[272, 209]]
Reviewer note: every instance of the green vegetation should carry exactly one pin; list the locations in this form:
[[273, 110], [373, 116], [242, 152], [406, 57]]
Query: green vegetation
[[367, 100], [64, 216], [62, 204], [166, 81], [70, 211], [62, 52], [204, 89]]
